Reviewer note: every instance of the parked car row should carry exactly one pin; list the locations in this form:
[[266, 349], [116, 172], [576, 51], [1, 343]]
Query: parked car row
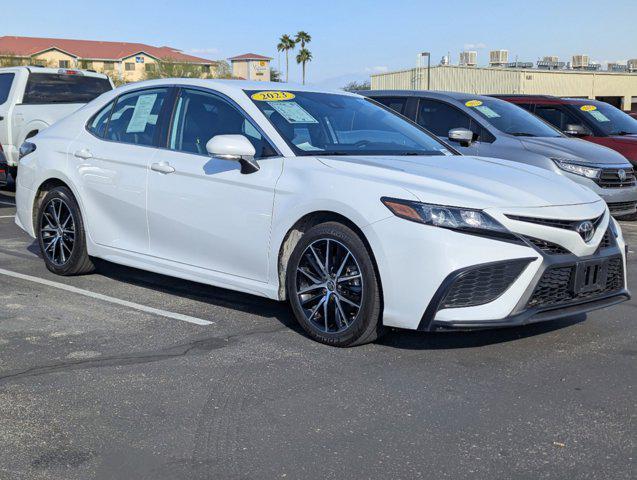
[[490, 127], [357, 216]]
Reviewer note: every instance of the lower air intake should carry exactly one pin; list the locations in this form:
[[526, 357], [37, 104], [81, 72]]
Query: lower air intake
[[482, 284]]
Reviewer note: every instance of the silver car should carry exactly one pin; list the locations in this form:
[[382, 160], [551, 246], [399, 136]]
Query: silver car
[[489, 127]]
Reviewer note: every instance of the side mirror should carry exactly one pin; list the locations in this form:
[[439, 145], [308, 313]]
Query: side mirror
[[576, 130], [463, 136], [236, 148]]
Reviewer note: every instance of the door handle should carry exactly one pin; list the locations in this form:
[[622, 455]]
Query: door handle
[[85, 153], [162, 167]]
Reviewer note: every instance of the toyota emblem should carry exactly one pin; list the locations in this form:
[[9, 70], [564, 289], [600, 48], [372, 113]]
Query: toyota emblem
[[586, 230], [621, 173]]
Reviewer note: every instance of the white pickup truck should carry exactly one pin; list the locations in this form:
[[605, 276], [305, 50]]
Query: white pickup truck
[[32, 98]]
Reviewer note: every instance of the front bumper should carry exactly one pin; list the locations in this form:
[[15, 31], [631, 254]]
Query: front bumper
[[549, 299], [416, 263]]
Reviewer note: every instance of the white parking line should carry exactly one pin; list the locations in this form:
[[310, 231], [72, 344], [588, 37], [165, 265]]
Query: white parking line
[[106, 298], [7, 216], [7, 203]]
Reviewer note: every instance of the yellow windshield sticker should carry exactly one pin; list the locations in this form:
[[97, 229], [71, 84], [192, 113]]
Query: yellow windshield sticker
[[272, 96], [588, 108], [473, 103]]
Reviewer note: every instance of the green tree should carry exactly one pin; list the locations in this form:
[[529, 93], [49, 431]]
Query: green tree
[[355, 86], [275, 75], [304, 56], [11, 60], [286, 43], [302, 38]]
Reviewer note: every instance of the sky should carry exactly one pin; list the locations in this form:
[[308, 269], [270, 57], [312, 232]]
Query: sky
[[350, 38]]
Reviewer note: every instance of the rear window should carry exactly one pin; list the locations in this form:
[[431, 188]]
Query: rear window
[[6, 79], [59, 88]]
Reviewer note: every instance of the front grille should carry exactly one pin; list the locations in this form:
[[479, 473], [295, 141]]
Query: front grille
[[555, 223], [482, 284], [547, 247], [556, 285], [607, 239], [609, 178], [621, 206]]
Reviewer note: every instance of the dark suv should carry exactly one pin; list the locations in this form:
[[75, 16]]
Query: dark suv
[[592, 120]]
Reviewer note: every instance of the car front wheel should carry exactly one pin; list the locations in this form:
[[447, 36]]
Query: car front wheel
[[61, 234], [333, 286]]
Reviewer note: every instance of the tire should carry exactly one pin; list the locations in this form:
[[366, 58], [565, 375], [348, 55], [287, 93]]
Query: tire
[[61, 235], [13, 171], [351, 281]]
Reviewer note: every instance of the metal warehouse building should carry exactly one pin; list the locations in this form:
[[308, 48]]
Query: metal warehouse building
[[619, 89]]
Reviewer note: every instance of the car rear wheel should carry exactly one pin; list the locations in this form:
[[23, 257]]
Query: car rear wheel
[[333, 287], [61, 234]]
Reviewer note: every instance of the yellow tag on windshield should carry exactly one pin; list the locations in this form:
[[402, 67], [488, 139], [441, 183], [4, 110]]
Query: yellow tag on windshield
[[473, 103], [588, 108], [272, 96]]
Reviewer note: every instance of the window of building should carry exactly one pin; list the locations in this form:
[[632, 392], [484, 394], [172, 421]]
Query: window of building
[[64, 64], [149, 67], [129, 66], [135, 116], [6, 79], [109, 66], [199, 116], [205, 68]]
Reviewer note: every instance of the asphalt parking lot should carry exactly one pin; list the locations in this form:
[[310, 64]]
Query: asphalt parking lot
[[126, 374]]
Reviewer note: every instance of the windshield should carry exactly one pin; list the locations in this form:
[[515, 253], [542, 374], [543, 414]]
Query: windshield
[[509, 118], [608, 119], [331, 124]]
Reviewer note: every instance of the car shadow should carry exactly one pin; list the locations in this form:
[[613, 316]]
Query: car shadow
[[217, 296], [252, 304], [451, 340]]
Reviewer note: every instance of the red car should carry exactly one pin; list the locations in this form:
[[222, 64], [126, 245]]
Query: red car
[[592, 120]]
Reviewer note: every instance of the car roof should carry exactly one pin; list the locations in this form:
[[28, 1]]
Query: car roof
[[234, 86], [552, 98], [52, 71], [422, 93]]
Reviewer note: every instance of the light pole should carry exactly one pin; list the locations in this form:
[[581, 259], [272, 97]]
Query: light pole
[[428, 55]]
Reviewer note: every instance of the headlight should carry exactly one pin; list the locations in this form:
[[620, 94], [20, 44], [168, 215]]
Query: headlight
[[466, 220], [576, 168], [25, 149]]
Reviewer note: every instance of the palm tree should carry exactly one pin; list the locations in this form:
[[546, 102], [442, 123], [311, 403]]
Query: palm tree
[[302, 38], [286, 43], [303, 57]]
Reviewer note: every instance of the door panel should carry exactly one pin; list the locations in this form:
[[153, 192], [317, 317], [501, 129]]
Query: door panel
[[203, 211], [112, 167]]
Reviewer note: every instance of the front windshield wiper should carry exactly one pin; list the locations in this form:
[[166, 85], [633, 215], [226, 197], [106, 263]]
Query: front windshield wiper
[[522, 134]]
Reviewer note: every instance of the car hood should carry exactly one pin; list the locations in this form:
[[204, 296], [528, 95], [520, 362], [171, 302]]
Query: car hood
[[574, 149], [473, 182]]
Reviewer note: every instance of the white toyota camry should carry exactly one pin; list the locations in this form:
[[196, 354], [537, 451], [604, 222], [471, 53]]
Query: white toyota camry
[[356, 216]]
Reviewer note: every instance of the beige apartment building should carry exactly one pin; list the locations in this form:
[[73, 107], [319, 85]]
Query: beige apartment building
[[251, 66], [123, 61], [617, 88]]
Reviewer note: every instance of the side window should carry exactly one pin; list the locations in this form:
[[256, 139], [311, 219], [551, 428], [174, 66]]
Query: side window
[[135, 115], [439, 118], [556, 116], [6, 79], [395, 103], [199, 116], [100, 121]]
